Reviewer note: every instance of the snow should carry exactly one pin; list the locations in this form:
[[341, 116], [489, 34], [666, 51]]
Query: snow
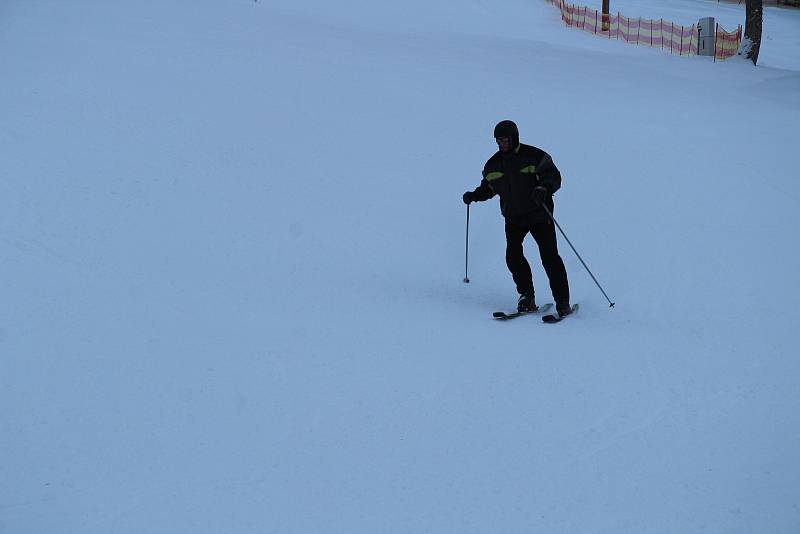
[[232, 242]]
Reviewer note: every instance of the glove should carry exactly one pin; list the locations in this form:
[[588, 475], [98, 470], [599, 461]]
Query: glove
[[540, 193], [468, 197]]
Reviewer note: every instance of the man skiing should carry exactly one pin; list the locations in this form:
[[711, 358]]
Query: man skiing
[[525, 178]]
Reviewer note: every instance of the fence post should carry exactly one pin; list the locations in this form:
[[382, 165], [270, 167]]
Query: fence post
[[739, 37], [638, 31], [671, 35]]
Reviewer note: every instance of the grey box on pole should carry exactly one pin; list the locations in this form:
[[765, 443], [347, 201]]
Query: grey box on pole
[[706, 35]]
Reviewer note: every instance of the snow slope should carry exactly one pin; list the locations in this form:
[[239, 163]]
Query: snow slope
[[232, 246]]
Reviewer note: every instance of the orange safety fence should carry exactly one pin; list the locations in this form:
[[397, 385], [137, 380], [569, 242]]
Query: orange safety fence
[[681, 40], [726, 44]]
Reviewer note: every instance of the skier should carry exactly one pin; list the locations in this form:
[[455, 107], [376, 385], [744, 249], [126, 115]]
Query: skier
[[525, 177]]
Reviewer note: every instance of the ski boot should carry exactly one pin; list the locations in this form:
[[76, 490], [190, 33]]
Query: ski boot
[[563, 309], [526, 303]]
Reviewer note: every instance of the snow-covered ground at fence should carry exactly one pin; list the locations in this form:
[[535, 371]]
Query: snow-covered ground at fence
[[781, 27], [232, 251]]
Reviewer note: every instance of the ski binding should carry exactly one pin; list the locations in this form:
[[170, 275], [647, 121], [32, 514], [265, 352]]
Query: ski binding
[[554, 318]]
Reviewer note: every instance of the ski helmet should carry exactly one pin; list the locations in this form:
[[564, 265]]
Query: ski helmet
[[507, 129]]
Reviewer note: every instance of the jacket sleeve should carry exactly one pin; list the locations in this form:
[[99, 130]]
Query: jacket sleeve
[[549, 175], [483, 191]]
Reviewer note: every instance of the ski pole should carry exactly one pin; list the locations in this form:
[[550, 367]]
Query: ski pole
[[576, 253], [466, 261]]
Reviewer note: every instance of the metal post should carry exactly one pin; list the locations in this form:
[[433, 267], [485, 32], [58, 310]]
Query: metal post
[[466, 261]]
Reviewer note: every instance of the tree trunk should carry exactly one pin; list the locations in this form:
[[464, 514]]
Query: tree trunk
[[752, 28]]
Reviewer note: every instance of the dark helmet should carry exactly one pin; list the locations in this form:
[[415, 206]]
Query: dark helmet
[[507, 129]]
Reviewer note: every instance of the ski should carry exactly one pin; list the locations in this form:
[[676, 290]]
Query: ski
[[554, 318], [503, 316]]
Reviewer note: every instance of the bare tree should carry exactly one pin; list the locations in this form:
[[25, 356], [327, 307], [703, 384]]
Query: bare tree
[[752, 29]]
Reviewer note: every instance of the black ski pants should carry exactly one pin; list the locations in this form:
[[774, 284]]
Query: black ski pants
[[545, 235]]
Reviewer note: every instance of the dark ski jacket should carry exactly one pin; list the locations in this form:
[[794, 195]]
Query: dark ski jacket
[[513, 176]]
